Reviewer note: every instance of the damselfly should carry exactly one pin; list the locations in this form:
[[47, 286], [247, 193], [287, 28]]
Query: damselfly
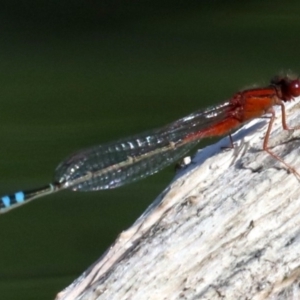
[[114, 164]]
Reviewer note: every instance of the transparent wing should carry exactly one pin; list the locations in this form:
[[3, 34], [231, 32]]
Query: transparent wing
[[117, 163], [130, 159]]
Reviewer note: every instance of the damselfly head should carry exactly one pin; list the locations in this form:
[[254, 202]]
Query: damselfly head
[[289, 87]]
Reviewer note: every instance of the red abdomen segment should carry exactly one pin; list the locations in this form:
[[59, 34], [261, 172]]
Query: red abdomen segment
[[244, 106], [221, 128]]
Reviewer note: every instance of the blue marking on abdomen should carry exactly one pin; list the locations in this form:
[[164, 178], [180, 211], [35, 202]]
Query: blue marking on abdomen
[[6, 201], [20, 197]]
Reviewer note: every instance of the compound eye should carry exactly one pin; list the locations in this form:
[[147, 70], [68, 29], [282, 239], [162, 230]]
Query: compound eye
[[294, 88]]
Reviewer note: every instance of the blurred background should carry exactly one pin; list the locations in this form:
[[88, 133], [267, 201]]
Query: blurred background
[[78, 73]]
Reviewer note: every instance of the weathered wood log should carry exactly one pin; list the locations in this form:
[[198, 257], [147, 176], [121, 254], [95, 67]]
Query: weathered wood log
[[228, 227]]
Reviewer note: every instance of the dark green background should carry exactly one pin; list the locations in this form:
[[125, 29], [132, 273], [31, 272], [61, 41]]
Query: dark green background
[[78, 73]]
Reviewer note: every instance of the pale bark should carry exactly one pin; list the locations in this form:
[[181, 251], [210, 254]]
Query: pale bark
[[228, 227]]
